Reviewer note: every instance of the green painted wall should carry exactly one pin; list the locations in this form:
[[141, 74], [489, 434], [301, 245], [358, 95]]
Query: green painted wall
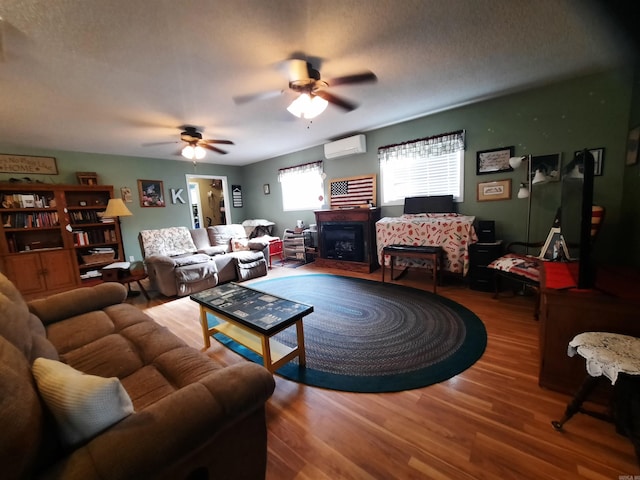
[[630, 211], [125, 172], [592, 112], [588, 112]]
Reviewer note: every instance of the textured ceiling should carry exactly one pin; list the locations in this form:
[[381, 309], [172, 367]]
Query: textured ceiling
[[112, 76]]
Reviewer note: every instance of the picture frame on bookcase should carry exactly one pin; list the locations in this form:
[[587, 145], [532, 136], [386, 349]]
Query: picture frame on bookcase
[[87, 178]]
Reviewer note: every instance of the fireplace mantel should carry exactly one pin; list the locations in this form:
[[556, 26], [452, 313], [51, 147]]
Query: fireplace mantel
[[365, 216]]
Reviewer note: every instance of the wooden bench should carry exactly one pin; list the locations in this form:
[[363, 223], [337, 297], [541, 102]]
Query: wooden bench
[[432, 253]]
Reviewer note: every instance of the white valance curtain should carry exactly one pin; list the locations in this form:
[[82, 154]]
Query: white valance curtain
[[424, 147], [426, 166], [288, 173]]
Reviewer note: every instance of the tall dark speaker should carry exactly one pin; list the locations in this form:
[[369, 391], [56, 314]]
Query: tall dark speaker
[[486, 231]]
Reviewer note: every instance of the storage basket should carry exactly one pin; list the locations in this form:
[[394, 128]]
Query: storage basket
[[98, 258]]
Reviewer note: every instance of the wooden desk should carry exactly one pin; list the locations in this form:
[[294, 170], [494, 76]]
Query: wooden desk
[[612, 306]]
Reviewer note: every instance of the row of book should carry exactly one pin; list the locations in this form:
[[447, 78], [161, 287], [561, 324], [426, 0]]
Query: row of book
[[31, 200], [91, 237], [85, 216], [31, 220]]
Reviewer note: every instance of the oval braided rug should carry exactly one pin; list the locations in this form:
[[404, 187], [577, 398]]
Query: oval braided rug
[[366, 336]]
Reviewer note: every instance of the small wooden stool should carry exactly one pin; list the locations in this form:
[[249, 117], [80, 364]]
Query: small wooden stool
[[432, 253]]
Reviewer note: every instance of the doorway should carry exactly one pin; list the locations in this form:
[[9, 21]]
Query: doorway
[[208, 198]]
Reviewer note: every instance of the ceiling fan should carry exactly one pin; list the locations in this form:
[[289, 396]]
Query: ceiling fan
[[306, 80], [195, 144]]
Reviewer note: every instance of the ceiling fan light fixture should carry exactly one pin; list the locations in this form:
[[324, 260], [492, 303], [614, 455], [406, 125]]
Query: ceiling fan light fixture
[[188, 152], [307, 106], [199, 152]]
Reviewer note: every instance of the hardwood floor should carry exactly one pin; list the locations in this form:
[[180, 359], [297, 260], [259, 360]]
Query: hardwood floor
[[490, 422]]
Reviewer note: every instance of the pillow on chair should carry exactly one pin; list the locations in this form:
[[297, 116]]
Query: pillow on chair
[[521, 265]]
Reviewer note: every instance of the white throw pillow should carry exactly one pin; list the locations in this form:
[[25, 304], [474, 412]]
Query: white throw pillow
[[82, 405], [239, 244]]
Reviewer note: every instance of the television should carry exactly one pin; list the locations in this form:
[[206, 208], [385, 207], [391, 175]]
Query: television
[[430, 204], [576, 216]]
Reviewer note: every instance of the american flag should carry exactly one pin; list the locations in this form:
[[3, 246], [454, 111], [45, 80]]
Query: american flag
[[352, 192]]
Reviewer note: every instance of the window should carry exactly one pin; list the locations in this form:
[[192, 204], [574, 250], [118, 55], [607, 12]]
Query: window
[[302, 187], [428, 166]]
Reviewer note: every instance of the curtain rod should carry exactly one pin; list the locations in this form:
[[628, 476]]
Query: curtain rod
[[301, 165], [422, 139]]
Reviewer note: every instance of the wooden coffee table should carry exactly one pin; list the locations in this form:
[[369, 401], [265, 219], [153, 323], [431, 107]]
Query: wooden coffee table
[[252, 318]]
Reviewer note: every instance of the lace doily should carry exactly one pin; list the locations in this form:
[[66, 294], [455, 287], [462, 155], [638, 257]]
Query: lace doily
[[607, 354]]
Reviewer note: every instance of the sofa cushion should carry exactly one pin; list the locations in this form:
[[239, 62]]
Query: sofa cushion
[[14, 317], [195, 272], [216, 250], [169, 241], [222, 234], [86, 299], [250, 264], [194, 259], [83, 405], [22, 414]]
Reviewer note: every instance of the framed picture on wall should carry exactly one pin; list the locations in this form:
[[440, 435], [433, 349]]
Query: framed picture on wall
[[598, 159], [494, 161], [632, 146], [549, 165], [498, 190], [151, 193]]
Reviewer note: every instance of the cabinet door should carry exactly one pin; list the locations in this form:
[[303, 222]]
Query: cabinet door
[[58, 269], [25, 271]]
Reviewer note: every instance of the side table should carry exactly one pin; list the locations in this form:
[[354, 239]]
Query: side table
[[481, 278], [275, 250], [616, 357], [134, 277]]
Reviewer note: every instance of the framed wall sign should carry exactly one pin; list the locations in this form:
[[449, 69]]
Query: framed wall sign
[[151, 193], [236, 195], [494, 161], [28, 164], [498, 190]]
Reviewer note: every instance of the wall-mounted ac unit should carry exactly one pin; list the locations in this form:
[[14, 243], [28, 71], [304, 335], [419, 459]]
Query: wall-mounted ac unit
[[346, 146]]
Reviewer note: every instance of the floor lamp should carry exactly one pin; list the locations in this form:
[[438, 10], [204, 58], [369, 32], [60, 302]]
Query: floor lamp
[[526, 188], [116, 209]]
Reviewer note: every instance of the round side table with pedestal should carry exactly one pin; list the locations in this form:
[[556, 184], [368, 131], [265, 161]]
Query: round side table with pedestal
[[615, 357]]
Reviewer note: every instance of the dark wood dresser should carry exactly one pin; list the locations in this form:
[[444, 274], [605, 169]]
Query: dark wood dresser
[[613, 305]]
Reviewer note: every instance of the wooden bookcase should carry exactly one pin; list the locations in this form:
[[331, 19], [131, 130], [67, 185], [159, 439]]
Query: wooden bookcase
[[48, 233]]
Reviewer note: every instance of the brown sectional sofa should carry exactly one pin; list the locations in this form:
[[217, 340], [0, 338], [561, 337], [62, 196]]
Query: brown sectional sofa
[[182, 261], [193, 418]]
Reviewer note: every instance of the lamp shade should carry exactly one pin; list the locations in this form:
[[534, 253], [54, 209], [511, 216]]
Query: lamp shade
[[515, 162], [539, 177], [523, 192], [116, 208]]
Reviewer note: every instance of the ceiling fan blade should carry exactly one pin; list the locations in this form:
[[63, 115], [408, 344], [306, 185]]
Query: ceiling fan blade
[[153, 144], [337, 101], [225, 142], [242, 99], [214, 149], [355, 78]]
